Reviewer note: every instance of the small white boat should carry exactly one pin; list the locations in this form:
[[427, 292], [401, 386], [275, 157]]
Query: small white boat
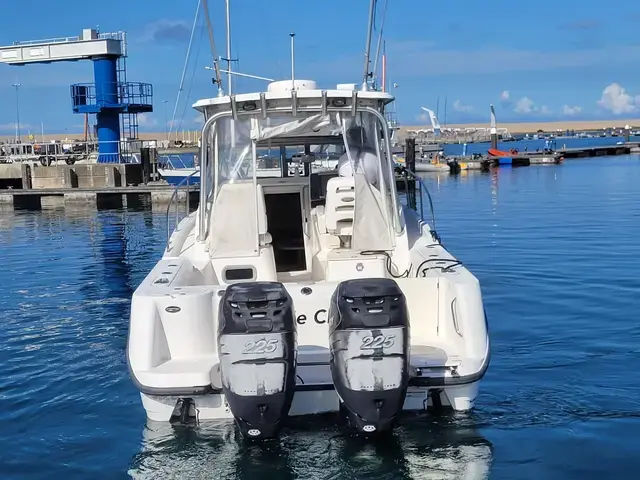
[[176, 176], [285, 296], [423, 166], [432, 167]]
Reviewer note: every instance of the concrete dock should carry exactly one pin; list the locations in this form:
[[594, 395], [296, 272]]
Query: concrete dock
[[622, 149], [33, 186], [142, 196], [522, 159], [547, 158]]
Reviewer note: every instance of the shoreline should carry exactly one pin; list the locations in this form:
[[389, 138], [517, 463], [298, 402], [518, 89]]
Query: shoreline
[[533, 127], [514, 128]]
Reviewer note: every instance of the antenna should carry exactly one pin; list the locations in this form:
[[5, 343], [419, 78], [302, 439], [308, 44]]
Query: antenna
[[228, 48], [384, 66], [293, 64], [445, 112], [494, 130], [367, 51], [217, 80], [380, 43], [184, 70], [17, 87]]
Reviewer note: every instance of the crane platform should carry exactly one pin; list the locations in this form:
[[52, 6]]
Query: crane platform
[[89, 45]]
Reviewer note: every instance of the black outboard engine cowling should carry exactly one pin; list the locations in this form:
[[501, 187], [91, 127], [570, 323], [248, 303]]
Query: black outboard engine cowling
[[256, 344], [369, 342]]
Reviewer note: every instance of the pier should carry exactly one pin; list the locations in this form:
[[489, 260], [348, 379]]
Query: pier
[[515, 158], [557, 156], [30, 185], [623, 149], [143, 196]]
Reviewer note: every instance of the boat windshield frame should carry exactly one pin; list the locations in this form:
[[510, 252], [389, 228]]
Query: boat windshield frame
[[209, 152]]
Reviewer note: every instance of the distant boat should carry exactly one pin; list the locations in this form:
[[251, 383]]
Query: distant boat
[[174, 169], [175, 176], [494, 152]]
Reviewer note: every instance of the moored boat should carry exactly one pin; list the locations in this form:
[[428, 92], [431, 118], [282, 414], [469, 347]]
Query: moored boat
[[269, 302], [299, 288]]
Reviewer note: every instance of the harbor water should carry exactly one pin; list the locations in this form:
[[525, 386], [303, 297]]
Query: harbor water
[[554, 247]]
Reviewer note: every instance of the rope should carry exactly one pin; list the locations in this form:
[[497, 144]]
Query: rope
[[184, 70]]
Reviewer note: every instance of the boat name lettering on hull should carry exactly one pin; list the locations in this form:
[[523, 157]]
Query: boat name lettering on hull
[[320, 317]]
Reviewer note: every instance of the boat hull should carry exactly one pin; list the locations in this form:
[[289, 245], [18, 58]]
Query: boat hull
[[176, 176], [432, 167], [213, 407]]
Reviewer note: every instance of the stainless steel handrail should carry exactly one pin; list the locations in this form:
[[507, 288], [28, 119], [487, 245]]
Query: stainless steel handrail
[[423, 188], [175, 195]]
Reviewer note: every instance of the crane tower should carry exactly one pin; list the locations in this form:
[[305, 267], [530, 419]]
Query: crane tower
[[115, 102]]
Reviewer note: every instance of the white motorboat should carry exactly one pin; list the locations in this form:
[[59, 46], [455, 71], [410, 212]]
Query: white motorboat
[[179, 175], [432, 167], [280, 298]]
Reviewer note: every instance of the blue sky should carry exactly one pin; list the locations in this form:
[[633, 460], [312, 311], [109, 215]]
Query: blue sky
[[539, 61]]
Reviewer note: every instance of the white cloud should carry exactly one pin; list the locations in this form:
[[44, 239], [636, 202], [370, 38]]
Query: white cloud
[[505, 96], [525, 105], [145, 120], [615, 99], [571, 110], [459, 107]]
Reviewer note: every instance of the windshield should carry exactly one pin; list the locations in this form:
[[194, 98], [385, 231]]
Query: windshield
[[250, 148], [365, 161]]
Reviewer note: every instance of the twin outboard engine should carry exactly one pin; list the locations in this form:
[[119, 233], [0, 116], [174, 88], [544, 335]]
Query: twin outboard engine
[[369, 342], [256, 344]]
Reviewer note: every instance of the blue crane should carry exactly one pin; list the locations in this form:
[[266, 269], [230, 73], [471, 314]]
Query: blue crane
[[115, 102]]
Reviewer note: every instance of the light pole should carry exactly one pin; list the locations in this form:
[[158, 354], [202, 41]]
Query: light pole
[[166, 121], [17, 87]]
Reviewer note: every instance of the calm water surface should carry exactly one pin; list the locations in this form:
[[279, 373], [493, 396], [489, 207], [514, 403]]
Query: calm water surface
[[556, 251]]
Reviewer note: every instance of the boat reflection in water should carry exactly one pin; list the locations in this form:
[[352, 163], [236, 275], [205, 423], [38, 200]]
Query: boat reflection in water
[[424, 447]]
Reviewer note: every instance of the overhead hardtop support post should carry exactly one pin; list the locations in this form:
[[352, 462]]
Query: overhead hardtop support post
[[263, 104], [324, 102], [367, 52], [294, 103], [293, 62]]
